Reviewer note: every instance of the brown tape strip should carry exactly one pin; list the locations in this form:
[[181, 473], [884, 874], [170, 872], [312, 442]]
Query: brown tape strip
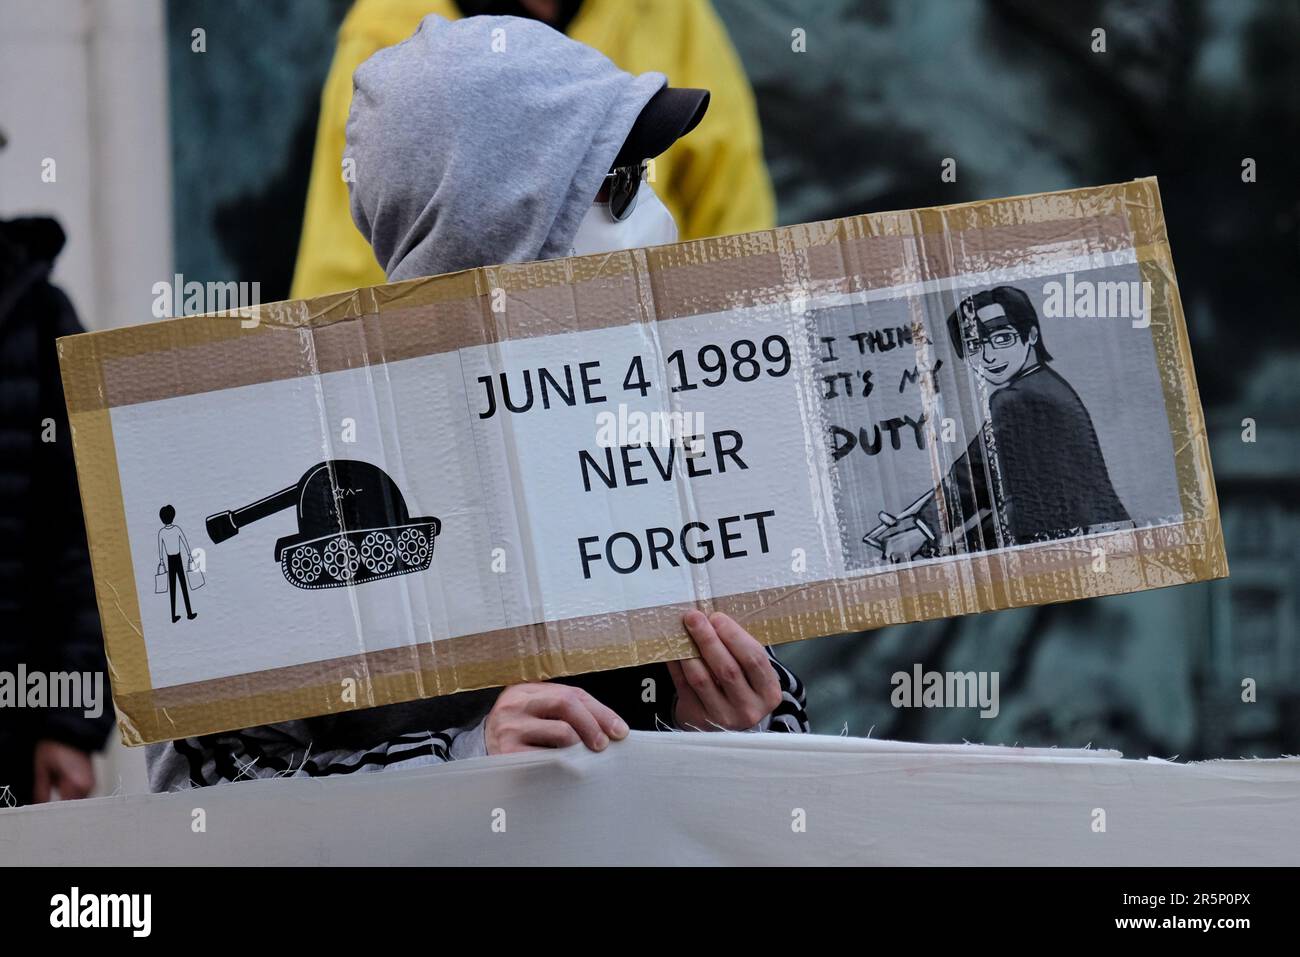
[[110, 557]]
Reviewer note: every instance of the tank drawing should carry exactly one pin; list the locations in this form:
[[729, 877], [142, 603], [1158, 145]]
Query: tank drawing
[[353, 527]]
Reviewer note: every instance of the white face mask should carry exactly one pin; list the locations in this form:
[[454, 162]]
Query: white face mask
[[649, 224]]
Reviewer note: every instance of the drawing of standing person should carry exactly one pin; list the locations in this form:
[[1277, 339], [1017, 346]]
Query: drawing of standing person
[[173, 560]]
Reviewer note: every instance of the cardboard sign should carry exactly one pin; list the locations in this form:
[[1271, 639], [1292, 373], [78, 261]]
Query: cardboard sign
[[526, 471]]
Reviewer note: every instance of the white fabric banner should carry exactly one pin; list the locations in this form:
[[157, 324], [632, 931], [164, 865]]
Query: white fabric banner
[[665, 799]]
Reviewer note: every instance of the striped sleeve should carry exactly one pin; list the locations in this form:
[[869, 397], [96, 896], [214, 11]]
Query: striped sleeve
[[791, 715], [278, 751]]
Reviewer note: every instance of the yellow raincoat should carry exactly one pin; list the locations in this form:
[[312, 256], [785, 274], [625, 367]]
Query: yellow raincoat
[[713, 180]]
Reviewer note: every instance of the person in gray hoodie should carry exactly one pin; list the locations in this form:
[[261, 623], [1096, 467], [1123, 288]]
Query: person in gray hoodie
[[475, 142]]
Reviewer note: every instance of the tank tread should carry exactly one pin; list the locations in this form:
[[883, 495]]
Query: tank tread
[[358, 557]]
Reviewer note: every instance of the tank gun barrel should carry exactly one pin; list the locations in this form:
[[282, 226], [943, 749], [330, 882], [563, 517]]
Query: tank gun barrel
[[224, 525]]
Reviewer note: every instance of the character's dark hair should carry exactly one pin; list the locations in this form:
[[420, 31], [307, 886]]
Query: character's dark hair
[[167, 513], [1020, 313]]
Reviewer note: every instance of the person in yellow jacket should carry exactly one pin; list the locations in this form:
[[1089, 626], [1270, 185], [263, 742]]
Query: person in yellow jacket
[[713, 182]]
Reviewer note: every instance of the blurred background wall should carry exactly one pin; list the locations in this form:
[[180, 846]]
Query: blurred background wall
[[860, 121]]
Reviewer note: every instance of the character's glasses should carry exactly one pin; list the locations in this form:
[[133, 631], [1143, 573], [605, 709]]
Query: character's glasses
[[1002, 339], [621, 186]]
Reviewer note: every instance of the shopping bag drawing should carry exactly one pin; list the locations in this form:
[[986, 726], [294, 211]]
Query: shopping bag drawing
[[160, 580]]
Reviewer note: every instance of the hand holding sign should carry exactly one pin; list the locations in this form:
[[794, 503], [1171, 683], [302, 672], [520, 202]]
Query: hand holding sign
[[731, 686], [539, 715]]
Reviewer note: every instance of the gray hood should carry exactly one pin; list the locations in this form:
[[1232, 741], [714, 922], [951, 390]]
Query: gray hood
[[468, 157]]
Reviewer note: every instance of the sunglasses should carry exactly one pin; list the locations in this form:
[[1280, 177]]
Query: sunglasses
[[621, 187]]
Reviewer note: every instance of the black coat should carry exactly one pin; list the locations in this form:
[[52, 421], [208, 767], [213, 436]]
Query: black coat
[[48, 618], [1046, 477]]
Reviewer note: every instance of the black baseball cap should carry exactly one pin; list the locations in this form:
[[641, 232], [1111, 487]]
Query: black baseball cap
[[671, 114]]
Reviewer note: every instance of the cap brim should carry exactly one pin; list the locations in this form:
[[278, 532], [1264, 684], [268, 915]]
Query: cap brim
[[671, 114]]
